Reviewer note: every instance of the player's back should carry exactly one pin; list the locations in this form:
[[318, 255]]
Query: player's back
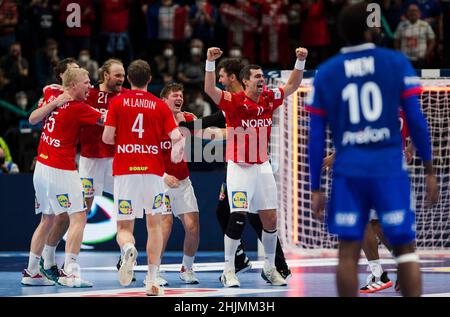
[[360, 91], [142, 121]]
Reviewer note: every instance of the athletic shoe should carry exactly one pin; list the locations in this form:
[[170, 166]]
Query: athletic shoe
[[126, 272], [273, 277], [242, 263], [35, 279], [152, 288], [51, 273], [159, 280], [188, 276], [285, 272], [73, 279], [118, 268], [229, 279], [376, 284]]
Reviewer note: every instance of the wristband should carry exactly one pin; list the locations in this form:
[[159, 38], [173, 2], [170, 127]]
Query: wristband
[[300, 65], [210, 66]]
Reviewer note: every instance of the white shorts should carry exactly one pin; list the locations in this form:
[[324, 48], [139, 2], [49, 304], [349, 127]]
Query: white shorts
[[180, 200], [251, 187], [138, 193], [96, 176], [57, 190]]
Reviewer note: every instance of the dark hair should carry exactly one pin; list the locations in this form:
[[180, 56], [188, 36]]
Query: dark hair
[[61, 67], [246, 72], [231, 66], [139, 73], [165, 92], [352, 23]]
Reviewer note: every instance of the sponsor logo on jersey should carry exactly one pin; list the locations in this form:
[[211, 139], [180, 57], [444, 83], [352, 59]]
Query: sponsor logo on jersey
[[158, 201], [137, 148], [88, 186], [63, 200], [43, 156], [254, 123], [346, 219], [138, 168], [167, 203], [125, 207], [368, 135], [239, 199]]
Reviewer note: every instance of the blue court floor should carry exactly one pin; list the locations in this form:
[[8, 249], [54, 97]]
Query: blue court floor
[[312, 277]]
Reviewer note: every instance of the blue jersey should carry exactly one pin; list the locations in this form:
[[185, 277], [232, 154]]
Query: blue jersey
[[359, 93]]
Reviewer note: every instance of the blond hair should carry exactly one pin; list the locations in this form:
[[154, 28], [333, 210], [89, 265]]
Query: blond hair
[[106, 67], [72, 75]]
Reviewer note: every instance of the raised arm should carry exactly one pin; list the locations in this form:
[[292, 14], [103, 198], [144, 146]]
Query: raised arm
[[210, 74], [297, 73], [39, 114]]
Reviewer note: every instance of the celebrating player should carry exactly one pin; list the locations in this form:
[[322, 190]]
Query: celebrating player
[[56, 181], [361, 105], [137, 122], [250, 182]]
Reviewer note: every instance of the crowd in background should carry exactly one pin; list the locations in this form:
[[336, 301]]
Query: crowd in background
[[173, 37]]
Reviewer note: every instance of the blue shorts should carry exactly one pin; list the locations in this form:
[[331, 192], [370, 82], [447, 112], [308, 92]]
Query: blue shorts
[[351, 201]]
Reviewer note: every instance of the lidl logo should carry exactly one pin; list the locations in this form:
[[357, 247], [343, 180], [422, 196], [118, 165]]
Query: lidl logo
[[239, 200], [158, 201], [125, 207], [167, 203], [63, 200], [88, 186]]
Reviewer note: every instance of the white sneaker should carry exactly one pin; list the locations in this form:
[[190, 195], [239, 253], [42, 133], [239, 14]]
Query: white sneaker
[[152, 288], [35, 279], [229, 279], [188, 276], [72, 277], [159, 280], [273, 277], [128, 261]]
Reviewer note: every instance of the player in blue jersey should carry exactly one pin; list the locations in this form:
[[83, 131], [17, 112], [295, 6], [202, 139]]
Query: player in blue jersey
[[358, 93]]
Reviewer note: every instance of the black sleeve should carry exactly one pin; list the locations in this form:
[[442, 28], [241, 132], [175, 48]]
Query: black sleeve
[[217, 120]]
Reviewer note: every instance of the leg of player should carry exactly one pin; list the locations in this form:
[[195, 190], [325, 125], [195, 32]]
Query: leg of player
[[241, 261], [31, 274], [191, 224], [70, 274], [269, 240], [378, 279], [347, 269], [280, 260], [125, 240], [154, 248], [408, 270], [166, 227], [232, 240], [48, 260]]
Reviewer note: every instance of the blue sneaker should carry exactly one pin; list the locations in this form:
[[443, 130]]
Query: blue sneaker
[[51, 273]]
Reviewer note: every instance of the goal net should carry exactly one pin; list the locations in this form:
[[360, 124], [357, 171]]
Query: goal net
[[299, 231]]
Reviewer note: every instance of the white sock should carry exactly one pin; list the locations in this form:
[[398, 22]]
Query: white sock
[[70, 258], [49, 256], [33, 263], [375, 268], [188, 261], [269, 241], [230, 252], [152, 272], [125, 247]]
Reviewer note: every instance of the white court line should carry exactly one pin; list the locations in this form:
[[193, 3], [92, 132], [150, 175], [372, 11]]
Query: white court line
[[218, 266], [437, 295], [177, 292]]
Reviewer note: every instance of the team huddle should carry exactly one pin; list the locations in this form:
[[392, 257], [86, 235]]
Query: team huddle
[[132, 147]]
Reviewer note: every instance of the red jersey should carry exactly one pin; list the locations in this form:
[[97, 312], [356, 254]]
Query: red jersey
[[179, 170], [91, 142], [249, 124], [142, 121], [59, 138]]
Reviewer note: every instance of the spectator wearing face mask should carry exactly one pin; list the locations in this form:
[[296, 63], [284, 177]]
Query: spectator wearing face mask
[[236, 52], [202, 18], [165, 65], [191, 73], [85, 61]]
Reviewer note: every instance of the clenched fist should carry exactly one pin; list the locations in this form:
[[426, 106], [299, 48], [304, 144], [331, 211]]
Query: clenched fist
[[301, 53], [213, 53]]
